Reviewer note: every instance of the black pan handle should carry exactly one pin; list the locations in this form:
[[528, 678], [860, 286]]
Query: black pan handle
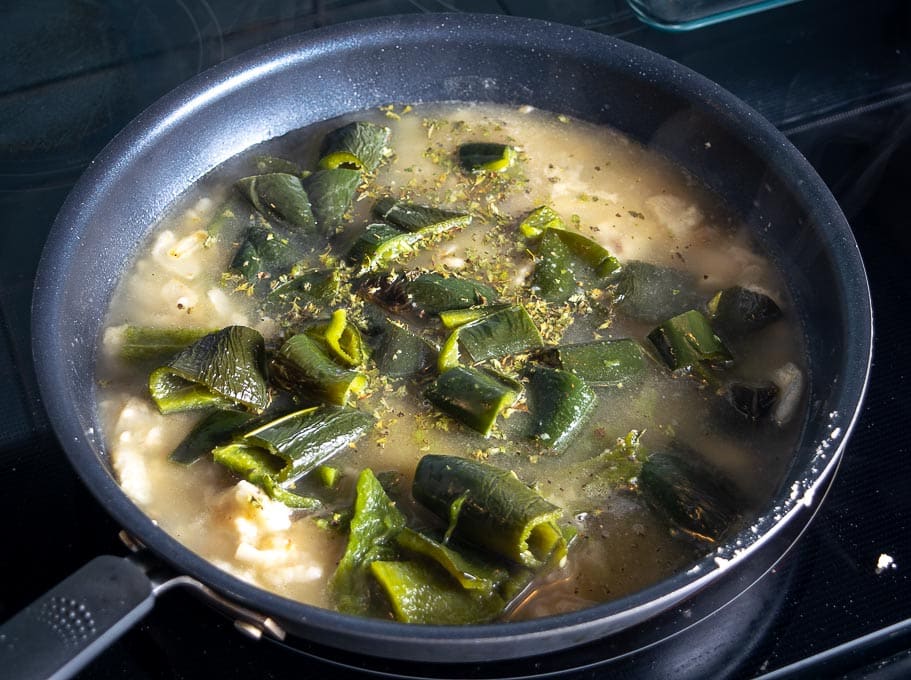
[[64, 629]]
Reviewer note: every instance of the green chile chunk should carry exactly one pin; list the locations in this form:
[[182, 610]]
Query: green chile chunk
[[280, 196], [399, 353], [381, 244], [306, 286], [264, 254], [414, 217], [505, 332], [691, 496], [303, 440], [304, 368], [417, 293], [374, 526], [471, 573], [215, 429], [649, 293], [602, 362], [473, 396], [141, 343], [331, 195], [738, 311], [260, 469], [560, 404], [477, 157], [225, 369], [554, 278], [499, 512], [588, 251], [422, 593], [359, 146], [538, 220], [687, 341]]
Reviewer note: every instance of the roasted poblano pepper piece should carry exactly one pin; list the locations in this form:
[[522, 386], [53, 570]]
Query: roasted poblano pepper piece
[[687, 341], [473, 396], [692, 496], [381, 244], [359, 146], [471, 573], [414, 217], [302, 440], [281, 197], [560, 404], [264, 254], [215, 429], [506, 332], [260, 468], [499, 512], [341, 339], [453, 318], [400, 353], [374, 525], [422, 593], [305, 369], [649, 293], [225, 369], [588, 251], [602, 362], [331, 195], [553, 279], [140, 343], [539, 219], [306, 285], [738, 311], [417, 293], [476, 157]]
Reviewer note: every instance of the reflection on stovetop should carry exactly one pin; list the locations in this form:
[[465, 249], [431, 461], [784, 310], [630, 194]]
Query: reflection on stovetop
[[831, 73]]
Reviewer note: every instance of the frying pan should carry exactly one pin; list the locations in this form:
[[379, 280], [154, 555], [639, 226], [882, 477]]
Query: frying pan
[[323, 74]]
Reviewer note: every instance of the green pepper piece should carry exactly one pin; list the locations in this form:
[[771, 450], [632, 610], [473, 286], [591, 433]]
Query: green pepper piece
[[331, 195], [453, 318], [688, 342], [264, 254], [381, 244], [473, 396], [691, 496], [215, 429], [303, 368], [307, 285], [553, 277], [506, 332], [538, 220], [471, 572], [279, 196], [420, 294], [328, 476], [500, 513], [359, 146], [258, 467], [737, 311], [225, 369], [141, 343], [399, 353], [300, 441], [590, 252], [602, 362], [560, 404], [414, 217], [420, 593], [340, 339], [477, 157], [374, 525], [649, 293]]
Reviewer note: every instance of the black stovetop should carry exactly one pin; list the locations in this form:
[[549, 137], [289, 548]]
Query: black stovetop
[[833, 75]]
